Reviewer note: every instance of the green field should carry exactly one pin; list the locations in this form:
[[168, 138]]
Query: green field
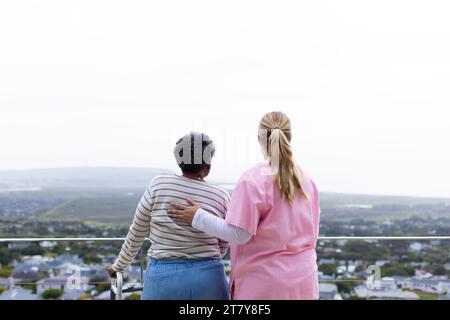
[[96, 208], [116, 206]]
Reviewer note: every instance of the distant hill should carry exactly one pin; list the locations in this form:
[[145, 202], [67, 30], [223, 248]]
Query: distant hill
[[339, 206], [100, 207], [110, 195], [78, 178], [98, 194], [334, 198]]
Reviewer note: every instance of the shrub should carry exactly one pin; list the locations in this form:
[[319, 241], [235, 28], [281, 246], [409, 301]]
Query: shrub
[[30, 286], [50, 294], [5, 272], [328, 269], [397, 269], [345, 287], [134, 296]]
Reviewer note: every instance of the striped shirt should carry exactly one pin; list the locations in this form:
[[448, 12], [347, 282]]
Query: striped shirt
[[170, 240]]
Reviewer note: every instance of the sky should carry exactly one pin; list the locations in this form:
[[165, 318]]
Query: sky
[[115, 83]]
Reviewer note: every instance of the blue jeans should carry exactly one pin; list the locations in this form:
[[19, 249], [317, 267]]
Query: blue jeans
[[190, 279]]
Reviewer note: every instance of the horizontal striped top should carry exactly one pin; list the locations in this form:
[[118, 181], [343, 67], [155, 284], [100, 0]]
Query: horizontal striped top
[[170, 240]]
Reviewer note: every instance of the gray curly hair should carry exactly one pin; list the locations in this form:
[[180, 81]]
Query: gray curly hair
[[194, 151]]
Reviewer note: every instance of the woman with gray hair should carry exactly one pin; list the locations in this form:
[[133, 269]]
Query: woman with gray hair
[[185, 263]]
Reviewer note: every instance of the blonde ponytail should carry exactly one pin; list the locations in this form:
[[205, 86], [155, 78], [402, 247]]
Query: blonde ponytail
[[275, 150], [275, 136]]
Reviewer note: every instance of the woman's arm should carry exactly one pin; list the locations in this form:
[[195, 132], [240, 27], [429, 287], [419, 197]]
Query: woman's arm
[[219, 228], [208, 223], [137, 233]]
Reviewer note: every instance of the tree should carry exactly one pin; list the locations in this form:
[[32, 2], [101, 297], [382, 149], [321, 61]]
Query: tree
[[52, 294], [397, 269], [359, 268], [436, 269], [33, 250], [7, 256], [5, 272], [91, 258], [345, 287], [328, 269], [356, 249]]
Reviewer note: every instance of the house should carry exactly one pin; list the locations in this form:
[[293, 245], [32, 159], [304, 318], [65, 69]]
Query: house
[[327, 261], [346, 270], [18, 245], [27, 277], [68, 268], [341, 269], [420, 265], [66, 263], [444, 287], [425, 285], [402, 282], [25, 267], [421, 274], [31, 264], [66, 258], [65, 282], [328, 291], [388, 283], [351, 268], [416, 247], [384, 294], [438, 285], [35, 260], [92, 271], [18, 293], [323, 277], [6, 283], [48, 244]]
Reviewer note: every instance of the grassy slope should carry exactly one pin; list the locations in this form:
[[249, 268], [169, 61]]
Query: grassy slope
[[97, 208], [117, 206]]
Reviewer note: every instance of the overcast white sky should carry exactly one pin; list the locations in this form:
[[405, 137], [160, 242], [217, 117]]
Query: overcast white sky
[[114, 83]]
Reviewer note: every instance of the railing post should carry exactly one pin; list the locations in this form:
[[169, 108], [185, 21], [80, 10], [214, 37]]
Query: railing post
[[119, 285], [142, 265]]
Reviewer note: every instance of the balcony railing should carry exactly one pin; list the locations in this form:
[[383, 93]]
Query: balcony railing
[[118, 285], [405, 238]]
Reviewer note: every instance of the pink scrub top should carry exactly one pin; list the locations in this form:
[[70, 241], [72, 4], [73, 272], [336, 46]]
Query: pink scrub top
[[279, 261]]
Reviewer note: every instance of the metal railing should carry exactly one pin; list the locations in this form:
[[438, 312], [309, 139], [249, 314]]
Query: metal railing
[[404, 238], [118, 287]]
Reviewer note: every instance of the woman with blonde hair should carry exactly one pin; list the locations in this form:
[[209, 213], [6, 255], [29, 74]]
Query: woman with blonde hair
[[272, 223]]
